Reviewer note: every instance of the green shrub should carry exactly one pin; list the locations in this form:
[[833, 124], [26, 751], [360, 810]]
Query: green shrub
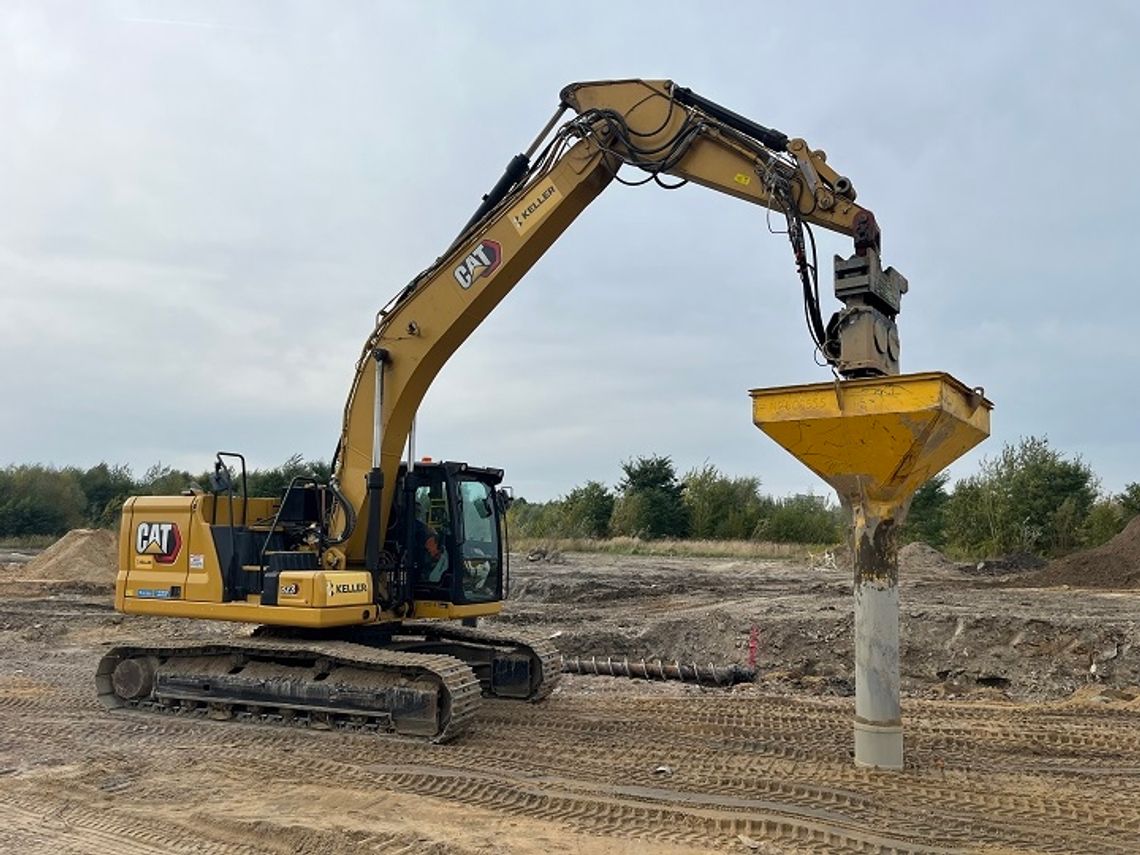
[[1030, 498], [587, 510], [40, 500], [723, 508], [652, 502], [804, 518], [926, 519]]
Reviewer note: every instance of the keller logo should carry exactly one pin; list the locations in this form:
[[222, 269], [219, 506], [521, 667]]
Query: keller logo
[[531, 210], [482, 261], [160, 539], [347, 588]]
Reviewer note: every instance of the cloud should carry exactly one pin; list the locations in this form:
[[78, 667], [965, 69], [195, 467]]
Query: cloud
[[205, 205]]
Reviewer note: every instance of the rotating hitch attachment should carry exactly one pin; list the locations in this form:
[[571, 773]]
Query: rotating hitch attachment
[[863, 338]]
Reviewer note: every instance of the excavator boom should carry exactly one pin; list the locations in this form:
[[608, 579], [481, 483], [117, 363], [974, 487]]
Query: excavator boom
[[673, 136]]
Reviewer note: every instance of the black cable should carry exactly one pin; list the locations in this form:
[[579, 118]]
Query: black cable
[[675, 149], [808, 278], [623, 132], [661, 127], [349, 515], [640, 183], [813, 267]]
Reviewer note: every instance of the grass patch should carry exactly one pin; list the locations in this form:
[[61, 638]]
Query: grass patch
[[677, 548], [28, 541]]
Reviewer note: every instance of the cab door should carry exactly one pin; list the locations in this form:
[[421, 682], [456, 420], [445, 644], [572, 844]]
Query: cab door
[[479, 576], [431, 542]]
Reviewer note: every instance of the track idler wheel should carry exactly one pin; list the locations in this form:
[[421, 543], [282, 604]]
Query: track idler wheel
[[133, 679]]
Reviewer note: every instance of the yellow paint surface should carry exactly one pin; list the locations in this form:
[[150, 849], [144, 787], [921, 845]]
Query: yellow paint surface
[[876, 439]]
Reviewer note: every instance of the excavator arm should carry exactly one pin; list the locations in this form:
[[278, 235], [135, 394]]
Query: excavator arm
[[663, 130]]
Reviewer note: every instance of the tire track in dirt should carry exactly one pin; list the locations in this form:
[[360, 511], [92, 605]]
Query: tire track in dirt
[[474, 758], [130, 828], [773, 768], [567, 735], [1048, 742], [622, 818], [92, 829], [1025, 814], [661, 815]]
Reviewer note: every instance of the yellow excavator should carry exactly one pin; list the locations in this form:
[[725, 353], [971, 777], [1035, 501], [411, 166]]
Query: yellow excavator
[[366, 590]]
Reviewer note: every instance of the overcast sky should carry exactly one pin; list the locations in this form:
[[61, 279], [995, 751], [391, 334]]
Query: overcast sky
[[204, 204]]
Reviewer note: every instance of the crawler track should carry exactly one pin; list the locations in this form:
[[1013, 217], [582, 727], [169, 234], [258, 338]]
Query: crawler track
[[545, 660], [324, 685], [532, 664]]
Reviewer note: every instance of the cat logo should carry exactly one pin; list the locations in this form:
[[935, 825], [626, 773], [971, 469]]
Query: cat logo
[[482, 261], [160, 539]]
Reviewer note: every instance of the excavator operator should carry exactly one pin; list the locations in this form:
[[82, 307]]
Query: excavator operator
[[427, 538]]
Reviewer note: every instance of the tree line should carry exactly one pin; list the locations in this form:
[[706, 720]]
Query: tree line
[[1029, 497], [651, 501], [45, 500]]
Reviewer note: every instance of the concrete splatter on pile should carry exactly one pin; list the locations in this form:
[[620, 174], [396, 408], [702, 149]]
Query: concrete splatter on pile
[[82, 555], [1115, 564]]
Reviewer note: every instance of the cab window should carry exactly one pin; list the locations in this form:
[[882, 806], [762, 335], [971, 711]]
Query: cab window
[[431, 527], [480, 546]]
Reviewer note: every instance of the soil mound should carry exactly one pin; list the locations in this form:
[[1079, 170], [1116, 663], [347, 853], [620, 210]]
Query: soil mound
[[922, 557], [1015, 562], [1115, 564], [81, 555]]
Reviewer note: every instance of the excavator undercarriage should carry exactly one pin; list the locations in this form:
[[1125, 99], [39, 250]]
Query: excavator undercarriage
[[418, 680]]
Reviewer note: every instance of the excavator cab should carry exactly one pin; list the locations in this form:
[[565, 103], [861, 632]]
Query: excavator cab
[[449, 531]]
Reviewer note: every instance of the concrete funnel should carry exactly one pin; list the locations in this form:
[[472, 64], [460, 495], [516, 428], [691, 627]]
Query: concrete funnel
[[876, 441]]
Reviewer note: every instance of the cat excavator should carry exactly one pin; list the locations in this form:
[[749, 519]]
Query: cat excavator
[[366, 588]]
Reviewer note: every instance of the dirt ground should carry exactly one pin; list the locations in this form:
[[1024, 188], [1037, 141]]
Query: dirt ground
[[1021, 714]]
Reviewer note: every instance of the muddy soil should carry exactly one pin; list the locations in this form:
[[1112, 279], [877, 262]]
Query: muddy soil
[[962, 635], [609, 765], [1115, 564]]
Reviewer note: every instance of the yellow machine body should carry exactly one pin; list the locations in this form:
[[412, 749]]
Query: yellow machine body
[[168, 565]]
